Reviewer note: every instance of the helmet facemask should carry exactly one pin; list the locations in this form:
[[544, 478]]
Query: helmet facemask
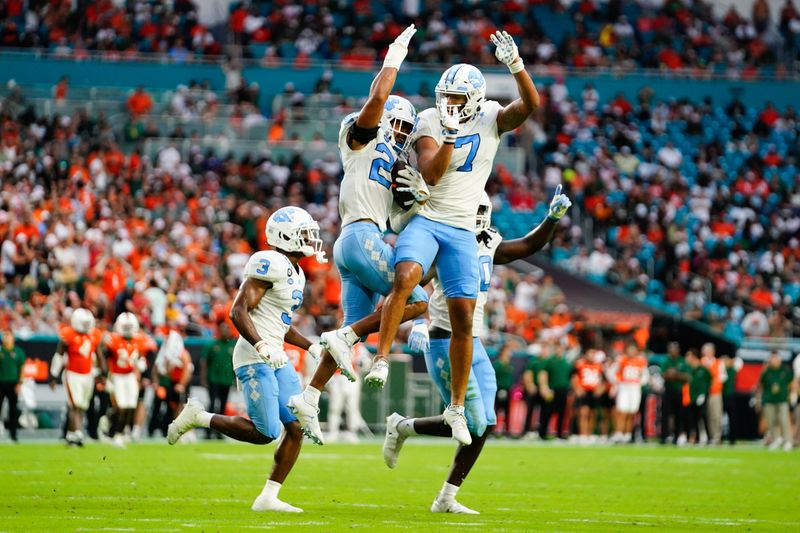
[[483, 220], [401, 132]]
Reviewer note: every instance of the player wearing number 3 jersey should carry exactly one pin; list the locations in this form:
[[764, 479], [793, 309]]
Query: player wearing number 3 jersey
[[455, 143]]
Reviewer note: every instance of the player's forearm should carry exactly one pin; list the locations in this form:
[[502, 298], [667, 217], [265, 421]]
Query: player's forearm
[[379, 91], [244, 325], [527, 245], [434, 166], [295, 338], [527, 91], [518, 111]]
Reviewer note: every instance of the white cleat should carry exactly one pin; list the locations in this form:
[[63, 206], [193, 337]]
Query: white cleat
[[378, 374], [188, 419], [308, 416], [393, 442], [118, 441], [450, 506], [341, 351], [458, 423], [263, 503]]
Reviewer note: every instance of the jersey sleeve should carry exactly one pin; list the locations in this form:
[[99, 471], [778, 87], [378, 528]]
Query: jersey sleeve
[[66, 334], [344, 128], [490, 109], [267, 266], [427, 126]]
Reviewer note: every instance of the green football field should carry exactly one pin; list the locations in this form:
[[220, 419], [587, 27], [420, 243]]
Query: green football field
[[517, 487]]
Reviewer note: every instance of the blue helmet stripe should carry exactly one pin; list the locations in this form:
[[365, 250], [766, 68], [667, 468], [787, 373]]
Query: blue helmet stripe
[[453, 73]]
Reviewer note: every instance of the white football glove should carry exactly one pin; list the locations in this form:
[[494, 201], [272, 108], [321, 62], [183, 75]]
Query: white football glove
[[558, 205], [413, 183], [274, 358], [315, 351], [448, 116], [507, 51], [399, 48], [418, 339]]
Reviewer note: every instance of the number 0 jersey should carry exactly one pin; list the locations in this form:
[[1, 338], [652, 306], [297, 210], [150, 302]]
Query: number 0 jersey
[[80, 348], [488, 241], [454, 200], [365, 191], [272, 317]]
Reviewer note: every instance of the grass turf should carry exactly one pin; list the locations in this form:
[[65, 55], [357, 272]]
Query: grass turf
[[516, 486]]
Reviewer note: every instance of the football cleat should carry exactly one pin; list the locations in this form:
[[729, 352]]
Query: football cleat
[[378, 374], [454, 417], [307, 415], [188, 419], [262, 503], [341, 351], [450, 506], [393, 441]]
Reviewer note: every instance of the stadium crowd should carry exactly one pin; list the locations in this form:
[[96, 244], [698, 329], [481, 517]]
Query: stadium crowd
[[668, 34]]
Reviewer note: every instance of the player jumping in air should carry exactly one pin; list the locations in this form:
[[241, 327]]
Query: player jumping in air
[[262, 312], [482, 385], [370, 142], [78, 356], [455, 143]]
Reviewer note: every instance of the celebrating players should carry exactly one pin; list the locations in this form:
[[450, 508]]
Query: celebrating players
[[370, 142], [77, 344], [262, 312], [455, 144], [482, 385]]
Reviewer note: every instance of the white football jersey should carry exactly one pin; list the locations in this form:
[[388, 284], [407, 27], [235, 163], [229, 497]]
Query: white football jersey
[[454, 200], [437, 307], [273, 314], [365, 191]]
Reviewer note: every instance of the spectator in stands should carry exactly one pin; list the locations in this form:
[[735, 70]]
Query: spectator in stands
[[140, 102], [714, 408], [673, 413], [216, 370], [696, 394], [505, 382], [550, 295], [772, 397], [12, 361], [554, 384]]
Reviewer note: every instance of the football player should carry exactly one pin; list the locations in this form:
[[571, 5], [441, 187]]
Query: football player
[[482, 385], [271, 292], [588, 385], [455, 144], [126, 350], [370, 141], [630, 374], [77, 355]]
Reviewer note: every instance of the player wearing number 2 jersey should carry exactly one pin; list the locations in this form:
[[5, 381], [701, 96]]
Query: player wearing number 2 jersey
[[482, 385], [77, 355], [271, 292], [455, 144]]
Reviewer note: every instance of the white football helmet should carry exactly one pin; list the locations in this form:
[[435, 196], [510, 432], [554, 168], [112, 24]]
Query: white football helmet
[[483, 219], [398, 112], [463, 79], [291, 229], [82, 320], [126, 325]]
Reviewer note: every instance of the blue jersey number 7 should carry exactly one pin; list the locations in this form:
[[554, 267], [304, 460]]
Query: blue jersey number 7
[[474, 142]]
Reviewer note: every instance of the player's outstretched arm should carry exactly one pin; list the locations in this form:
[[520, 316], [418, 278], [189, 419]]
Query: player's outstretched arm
[[381, 88], [534, 241], [514, 114]]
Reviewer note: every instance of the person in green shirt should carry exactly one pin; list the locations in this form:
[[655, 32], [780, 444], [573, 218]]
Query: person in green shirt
[[772, 398], [699, 384], [216, 371], [505, 381], [673, 412], [554, 386], [12, 360], [530, 382], [732, 367]]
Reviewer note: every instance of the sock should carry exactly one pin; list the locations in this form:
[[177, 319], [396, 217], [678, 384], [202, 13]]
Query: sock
[[271, 490], [456, 408], [448, 492], [406, 427], [311, 395], [204, 419], [349, 335]]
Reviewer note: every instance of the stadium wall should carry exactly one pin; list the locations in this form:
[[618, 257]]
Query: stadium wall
[[31, 68]]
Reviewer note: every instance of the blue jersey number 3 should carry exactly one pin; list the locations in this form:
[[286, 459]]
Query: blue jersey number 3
[[297, 295], [380, 163], [474, 142]]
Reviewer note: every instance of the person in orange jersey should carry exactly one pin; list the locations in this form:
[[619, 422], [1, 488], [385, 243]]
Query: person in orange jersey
[[630, 374], [588, 386]]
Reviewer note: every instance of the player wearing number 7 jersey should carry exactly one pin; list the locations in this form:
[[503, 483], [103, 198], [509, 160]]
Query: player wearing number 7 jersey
[[271, 292], [455, 143]]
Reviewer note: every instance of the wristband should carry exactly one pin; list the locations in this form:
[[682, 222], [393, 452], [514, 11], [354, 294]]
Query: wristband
[[395, 56], [516, 66], [449, 136], [551, 218]]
